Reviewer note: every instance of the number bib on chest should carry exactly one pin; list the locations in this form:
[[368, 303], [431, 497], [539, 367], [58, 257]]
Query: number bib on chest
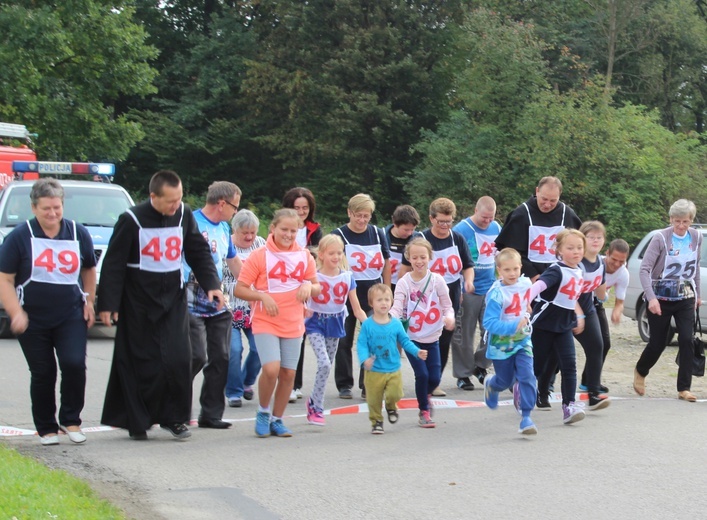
[[426, 320], [592, 280], [395, 262], [285, 270], [332, 299], [486, 245], [515, 299], [540, 242], [55, 261], [366, 262], [160, 249], [681, 266], [570, 288], [448, 264]]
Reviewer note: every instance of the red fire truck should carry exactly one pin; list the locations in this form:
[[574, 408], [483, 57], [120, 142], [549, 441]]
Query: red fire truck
[[15, 145]]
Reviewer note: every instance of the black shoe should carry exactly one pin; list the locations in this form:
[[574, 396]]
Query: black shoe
[[363, 393], [217, 424], [597, 402], [480, 374], [248, 394], [138, 436], [543, 402], [345, 393], [465, 383], [178, 430], [604, 389]]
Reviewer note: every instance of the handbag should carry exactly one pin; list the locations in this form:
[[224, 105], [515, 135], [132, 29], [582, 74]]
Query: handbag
[[698, 345], [406, 321]]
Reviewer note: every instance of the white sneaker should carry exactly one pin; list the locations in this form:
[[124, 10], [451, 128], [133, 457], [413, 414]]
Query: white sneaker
[[298, 393], [293, 397]]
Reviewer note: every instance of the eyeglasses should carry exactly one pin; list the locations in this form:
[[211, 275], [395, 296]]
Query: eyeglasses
[[231, 204], [362, 216], [444, 223], [592, 237]]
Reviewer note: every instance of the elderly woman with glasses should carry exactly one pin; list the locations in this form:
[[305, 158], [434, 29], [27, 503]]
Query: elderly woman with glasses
[[48, 286], [670, 276], [241, 379]]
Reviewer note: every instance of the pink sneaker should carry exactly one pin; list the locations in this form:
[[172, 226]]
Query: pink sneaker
[[316, 418], [425, 420]]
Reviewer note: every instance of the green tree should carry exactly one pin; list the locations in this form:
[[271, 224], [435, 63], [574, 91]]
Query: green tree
[[339, 90], [619, 165], [66, 66], [500, 69]]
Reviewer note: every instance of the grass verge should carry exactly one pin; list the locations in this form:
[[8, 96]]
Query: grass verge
[[31, 490]]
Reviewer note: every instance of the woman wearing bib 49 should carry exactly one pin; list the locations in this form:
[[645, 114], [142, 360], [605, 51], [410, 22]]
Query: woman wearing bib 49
[[670, 276], [554, 319], [423, 297], [49, 262], [284, 277]]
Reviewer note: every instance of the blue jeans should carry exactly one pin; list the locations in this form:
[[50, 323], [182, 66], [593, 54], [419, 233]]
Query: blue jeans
[[240, 377], [427, 373]]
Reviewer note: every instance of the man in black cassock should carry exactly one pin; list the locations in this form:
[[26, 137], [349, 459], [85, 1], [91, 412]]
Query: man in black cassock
[[141, 289]]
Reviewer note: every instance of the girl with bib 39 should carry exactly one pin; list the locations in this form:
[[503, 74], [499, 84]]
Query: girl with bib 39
[[326, 314], [277, 279], [423, 298]]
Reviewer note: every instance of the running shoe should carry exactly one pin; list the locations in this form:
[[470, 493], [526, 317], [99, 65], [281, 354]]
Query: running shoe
[[543, 402], [298, 393], [313, 416], [425, 420], [480, 374], [516, 397], [572, 412], [378, 428], [278, 429], [582, 388], [464, 383], [597, 401], [235, 402], [490, 395], [527, 426], [293, 397], [393, 416], [345, 393], [248, 393], [178, 430], [262, 424]]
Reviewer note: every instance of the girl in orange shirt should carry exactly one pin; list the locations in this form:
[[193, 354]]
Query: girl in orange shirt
[[277, 279]]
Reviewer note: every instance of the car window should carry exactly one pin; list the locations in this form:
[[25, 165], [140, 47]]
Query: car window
[[86, 205]]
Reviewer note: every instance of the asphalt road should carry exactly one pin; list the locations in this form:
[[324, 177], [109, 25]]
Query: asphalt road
[[640, 458]]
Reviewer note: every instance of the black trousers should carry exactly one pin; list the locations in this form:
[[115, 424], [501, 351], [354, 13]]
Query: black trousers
[[684, 313], [68, 340], [210, 339]]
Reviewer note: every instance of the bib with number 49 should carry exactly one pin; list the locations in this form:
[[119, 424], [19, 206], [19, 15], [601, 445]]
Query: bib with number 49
[[55, 261]]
